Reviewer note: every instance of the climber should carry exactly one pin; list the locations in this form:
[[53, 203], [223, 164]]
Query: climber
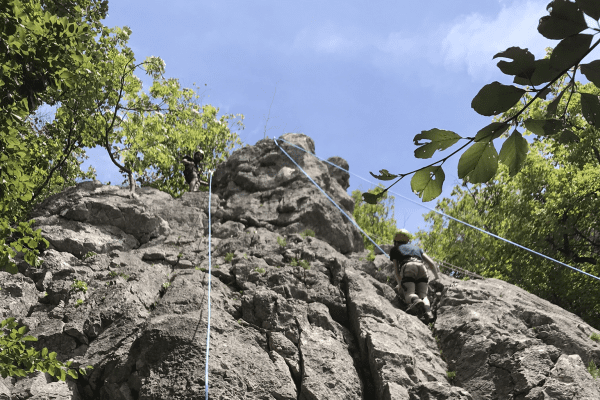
[[191, 171], [412, 277]]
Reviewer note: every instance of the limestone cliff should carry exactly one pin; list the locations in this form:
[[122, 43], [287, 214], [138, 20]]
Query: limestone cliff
[[292, 316]]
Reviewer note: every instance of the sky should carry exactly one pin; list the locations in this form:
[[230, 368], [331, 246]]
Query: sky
[[360, 78]]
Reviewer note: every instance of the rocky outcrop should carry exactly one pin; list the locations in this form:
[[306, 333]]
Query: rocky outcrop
[[292, 316]]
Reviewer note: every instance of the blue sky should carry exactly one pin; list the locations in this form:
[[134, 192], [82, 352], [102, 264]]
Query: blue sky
[[360, 78]]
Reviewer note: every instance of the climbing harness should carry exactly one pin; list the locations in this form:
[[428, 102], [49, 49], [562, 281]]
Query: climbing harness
[[424, 206], [209, 275]]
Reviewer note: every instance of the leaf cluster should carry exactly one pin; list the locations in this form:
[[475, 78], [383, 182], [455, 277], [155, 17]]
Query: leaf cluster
[[377, 220], [18, 359], [532, 80]]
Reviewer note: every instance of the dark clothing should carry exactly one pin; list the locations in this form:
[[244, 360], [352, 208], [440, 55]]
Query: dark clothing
[[191, 169], [404, 252]]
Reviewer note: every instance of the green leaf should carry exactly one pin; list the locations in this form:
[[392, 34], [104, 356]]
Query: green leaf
[[496, 98], [44, 352], [440, 140], [22, 330], [371, 198], [479, 163], [514, 152], [590, 7], [551, 109], [570, 51], [592, 72], [52, 356], [523, 63], [565, 19], [63, 375], [73, 374], [590, 108], [567, 136], [385, 175], [545, 127], [428, 182], [491, 132]]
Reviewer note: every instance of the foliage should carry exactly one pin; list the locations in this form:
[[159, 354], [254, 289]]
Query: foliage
[[294, 262], [595, 337], [308, 232], [89, 254], [550, 207], [79, 285], [375, 219], [451, 375], [371, 256], [41, 43], [593, 369], [229, 257], [281, 241], [533, 79], [260, 270], [304, 264], [18, 359]]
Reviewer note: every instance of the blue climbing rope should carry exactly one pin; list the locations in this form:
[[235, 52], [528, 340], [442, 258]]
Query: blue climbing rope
[[209, 275], [334, 203], [431, 209]]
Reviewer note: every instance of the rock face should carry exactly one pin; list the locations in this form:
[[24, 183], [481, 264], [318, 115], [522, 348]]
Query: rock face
[[292, 316]]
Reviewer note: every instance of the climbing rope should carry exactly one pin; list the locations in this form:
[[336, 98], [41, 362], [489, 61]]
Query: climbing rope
[[431, 209], [209, 275]]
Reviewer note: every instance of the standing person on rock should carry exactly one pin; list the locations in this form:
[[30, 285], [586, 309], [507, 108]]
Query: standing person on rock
[[192, 170], [411, 274]]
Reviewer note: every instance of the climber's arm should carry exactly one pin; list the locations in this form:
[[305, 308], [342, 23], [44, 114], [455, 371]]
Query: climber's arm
[[431, 265]]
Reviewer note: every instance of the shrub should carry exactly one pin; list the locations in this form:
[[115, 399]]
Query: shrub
[[78, 303], [17, 359], [593, 369], [304, 264], [294, 263], [79, 285], [451, 376], [228, 257], [466, 278], [595, 337], [281, 241], [89, 254], [308, 232], [371, 256], [260, 270]]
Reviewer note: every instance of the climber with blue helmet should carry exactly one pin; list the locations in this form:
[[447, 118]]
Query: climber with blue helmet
[[411, 274]]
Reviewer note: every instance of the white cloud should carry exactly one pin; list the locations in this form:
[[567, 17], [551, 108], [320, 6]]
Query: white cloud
[[473, 40]]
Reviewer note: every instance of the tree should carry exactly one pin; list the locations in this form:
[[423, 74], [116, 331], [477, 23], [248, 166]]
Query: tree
[[479, 163], [375, 219], [41, 43], [550, 207]]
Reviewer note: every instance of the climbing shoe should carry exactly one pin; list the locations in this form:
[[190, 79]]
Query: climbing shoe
[[429, 317], [416, 308]]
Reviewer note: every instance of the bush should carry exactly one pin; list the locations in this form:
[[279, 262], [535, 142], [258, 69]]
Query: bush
[[79, 285], [304, 264], [281, 241], [593, 369], [308, 232], [17, 359], [595, 337], [228, 257]]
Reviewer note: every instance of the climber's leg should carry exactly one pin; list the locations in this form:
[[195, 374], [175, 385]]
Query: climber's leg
[[409, 291]]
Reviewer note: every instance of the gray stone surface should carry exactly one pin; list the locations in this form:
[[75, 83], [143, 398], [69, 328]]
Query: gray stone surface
[[292, 316]]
